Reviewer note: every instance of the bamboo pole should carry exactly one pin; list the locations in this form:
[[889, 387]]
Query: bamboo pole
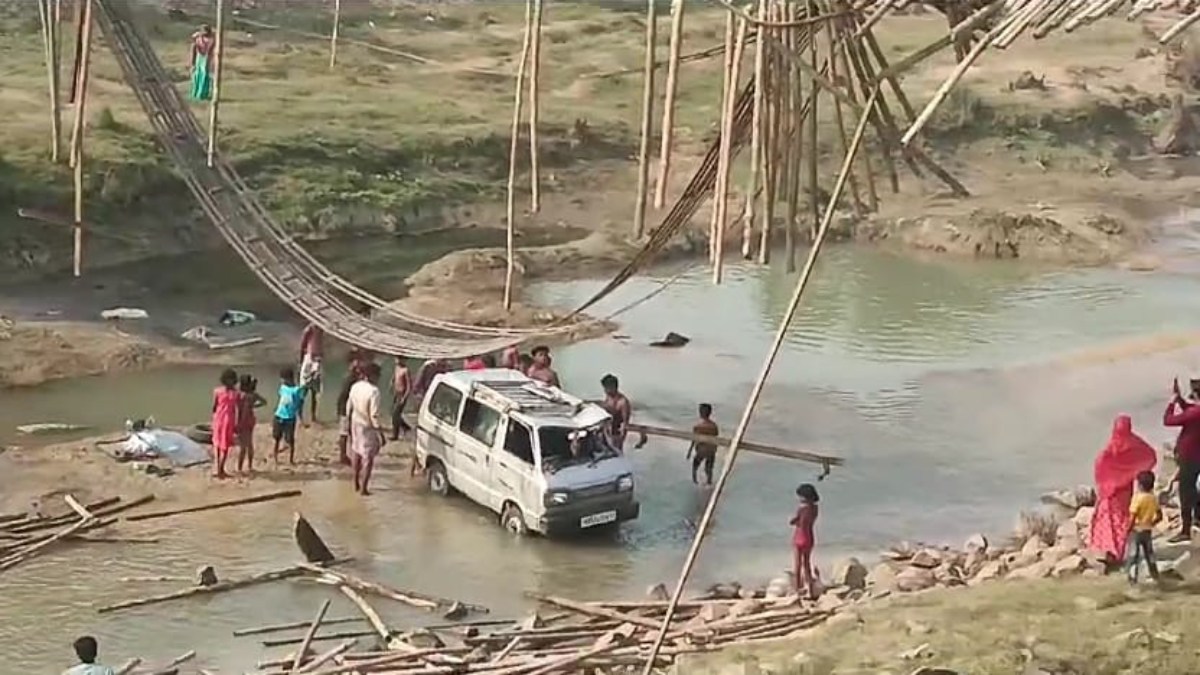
[[535, 60], [333, 34], [369, 612], [748, 446], [279, 627], [308, 635], [944, 90], [46, 11], [720, 187], [770, 133], [842, 56], [735, 73], [756, 391], [76, 54], [643, 184], [813, 148], [793, 138], [77, 132], [668, 119], [838, 115], [241, 501], [219, 53], [511, 206], [756, 136]]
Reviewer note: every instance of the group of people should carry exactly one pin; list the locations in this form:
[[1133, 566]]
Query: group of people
[[1128, 507]]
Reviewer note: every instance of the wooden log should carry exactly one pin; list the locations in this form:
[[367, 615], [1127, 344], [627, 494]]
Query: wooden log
[[756, 138], [593, 610], [668, 119], [218, 67], [77, 507], [308, 635], [37, 524], [723, 441], [565, 663], [324, 637], [242, 501], [814, 190], [280, 627], [535, 60], [128, 666], [511, 202], [720, 194], [643, 179], [326, 657], [219, 587]]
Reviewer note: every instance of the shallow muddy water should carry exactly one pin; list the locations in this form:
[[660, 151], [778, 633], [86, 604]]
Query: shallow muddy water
[[956, 392]]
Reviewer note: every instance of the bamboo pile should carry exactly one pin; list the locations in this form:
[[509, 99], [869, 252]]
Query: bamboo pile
[[571, 636]]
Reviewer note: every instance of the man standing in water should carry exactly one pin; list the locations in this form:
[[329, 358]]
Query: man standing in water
[[366, 434], [401, 386], [704, 453], [617, 404], [1186, 415], [541, 370], [87, 650]]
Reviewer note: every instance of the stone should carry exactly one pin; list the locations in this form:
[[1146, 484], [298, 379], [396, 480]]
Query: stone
[[920, 651], [973, 562], [1033, 546], [883, 576], [830, 603], [658, 592], [1038, 570], [455, 611], [1083, 518], [851, 573], [423, 639], [729, 591], [976, 543], [1063, 498], [206, 576], [926, 559], [1056, 553], [991, 570], [1069, 565], [1067, 534], [915, 579]]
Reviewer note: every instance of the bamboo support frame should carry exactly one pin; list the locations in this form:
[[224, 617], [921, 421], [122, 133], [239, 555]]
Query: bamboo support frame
[[76, 158], [813, 144], [535, 62], [333, 33], [48, 12], [756, 139], [643, 179], [668, 119], [219, 53], [511, 204], [721, 184]]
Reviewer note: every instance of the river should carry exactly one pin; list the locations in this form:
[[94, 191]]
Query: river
[[957, 392]]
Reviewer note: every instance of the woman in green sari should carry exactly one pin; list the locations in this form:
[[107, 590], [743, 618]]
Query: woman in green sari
[[203, 42]]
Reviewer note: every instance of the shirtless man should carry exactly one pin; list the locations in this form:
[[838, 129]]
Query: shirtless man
[[541, 370], [617, 404], [312, 349], [705, 453], [510, 358], [401, 387]]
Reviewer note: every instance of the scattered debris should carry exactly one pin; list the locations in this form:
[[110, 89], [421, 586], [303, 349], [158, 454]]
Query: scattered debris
[[672, 340], [236, 317], [1027, 81], [310, 543], [50, 428], [119, 313]]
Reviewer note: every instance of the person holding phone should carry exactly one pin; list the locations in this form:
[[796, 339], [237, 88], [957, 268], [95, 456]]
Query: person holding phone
[[1185, 414]]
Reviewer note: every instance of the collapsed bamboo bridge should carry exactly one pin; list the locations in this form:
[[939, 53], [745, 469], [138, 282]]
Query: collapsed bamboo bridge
[[800, 54]]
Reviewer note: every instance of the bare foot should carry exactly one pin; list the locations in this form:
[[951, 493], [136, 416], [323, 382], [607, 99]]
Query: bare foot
[[365, 492]]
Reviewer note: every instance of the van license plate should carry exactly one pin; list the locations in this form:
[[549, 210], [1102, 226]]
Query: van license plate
[[598, 519]]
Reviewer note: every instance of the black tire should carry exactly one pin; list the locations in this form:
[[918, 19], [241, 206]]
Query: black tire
[[513, 520], [201, 433], [436, 478]]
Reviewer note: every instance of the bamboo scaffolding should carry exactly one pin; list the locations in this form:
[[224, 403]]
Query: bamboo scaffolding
[[511, 204], [333, 33], [643, 181], [535, 59], [794, 153], [77, 128], [48, 12], [668, 119], [219, 52]]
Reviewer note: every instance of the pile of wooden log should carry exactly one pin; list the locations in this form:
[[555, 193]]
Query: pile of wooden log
[[597, 637], [24, 536]]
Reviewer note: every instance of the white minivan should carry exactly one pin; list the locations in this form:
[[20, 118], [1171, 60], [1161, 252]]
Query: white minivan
[[534, 454]]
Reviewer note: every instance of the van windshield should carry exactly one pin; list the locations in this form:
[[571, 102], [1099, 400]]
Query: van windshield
[[566, 446]]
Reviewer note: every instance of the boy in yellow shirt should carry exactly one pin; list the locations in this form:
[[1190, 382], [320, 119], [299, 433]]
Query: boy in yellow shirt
[[1144, 514]]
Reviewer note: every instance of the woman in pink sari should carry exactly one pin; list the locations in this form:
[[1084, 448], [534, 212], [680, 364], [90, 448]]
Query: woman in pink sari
[[1125, 456]]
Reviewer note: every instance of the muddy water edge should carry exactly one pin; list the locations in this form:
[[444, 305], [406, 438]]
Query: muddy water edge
[[957, 393]]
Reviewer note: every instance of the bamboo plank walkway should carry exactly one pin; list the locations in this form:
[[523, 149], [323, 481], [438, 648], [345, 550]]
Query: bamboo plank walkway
[[290, 272]]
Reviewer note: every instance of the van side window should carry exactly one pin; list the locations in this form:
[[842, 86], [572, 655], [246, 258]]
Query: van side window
[[480, 422], [444, 402], [518, 442]]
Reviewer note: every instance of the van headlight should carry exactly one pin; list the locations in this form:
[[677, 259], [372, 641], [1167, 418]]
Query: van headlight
[[557, 498], [625, 483]]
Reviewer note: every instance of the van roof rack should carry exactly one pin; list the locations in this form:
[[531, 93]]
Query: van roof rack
[[531, 397]]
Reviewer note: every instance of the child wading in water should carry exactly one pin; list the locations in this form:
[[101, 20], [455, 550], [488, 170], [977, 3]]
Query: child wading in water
[[291, 401], [226, 402], [1144, 514], [803, 539], [250, 400]]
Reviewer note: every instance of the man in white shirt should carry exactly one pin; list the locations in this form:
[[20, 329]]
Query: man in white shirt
[[86, 649], [366, 434]]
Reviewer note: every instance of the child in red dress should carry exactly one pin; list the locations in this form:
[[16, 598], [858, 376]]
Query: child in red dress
[[250, 400], [803, 538], [226, 401]]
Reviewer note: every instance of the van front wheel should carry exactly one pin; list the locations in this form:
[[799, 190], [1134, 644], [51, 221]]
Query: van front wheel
[[439, 482], [513, 520]]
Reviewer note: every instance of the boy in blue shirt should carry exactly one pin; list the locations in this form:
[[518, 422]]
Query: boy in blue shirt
[[291, 401]]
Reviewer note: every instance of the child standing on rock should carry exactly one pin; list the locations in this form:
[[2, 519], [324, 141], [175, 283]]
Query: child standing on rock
[[804, 539], [226, 402]]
